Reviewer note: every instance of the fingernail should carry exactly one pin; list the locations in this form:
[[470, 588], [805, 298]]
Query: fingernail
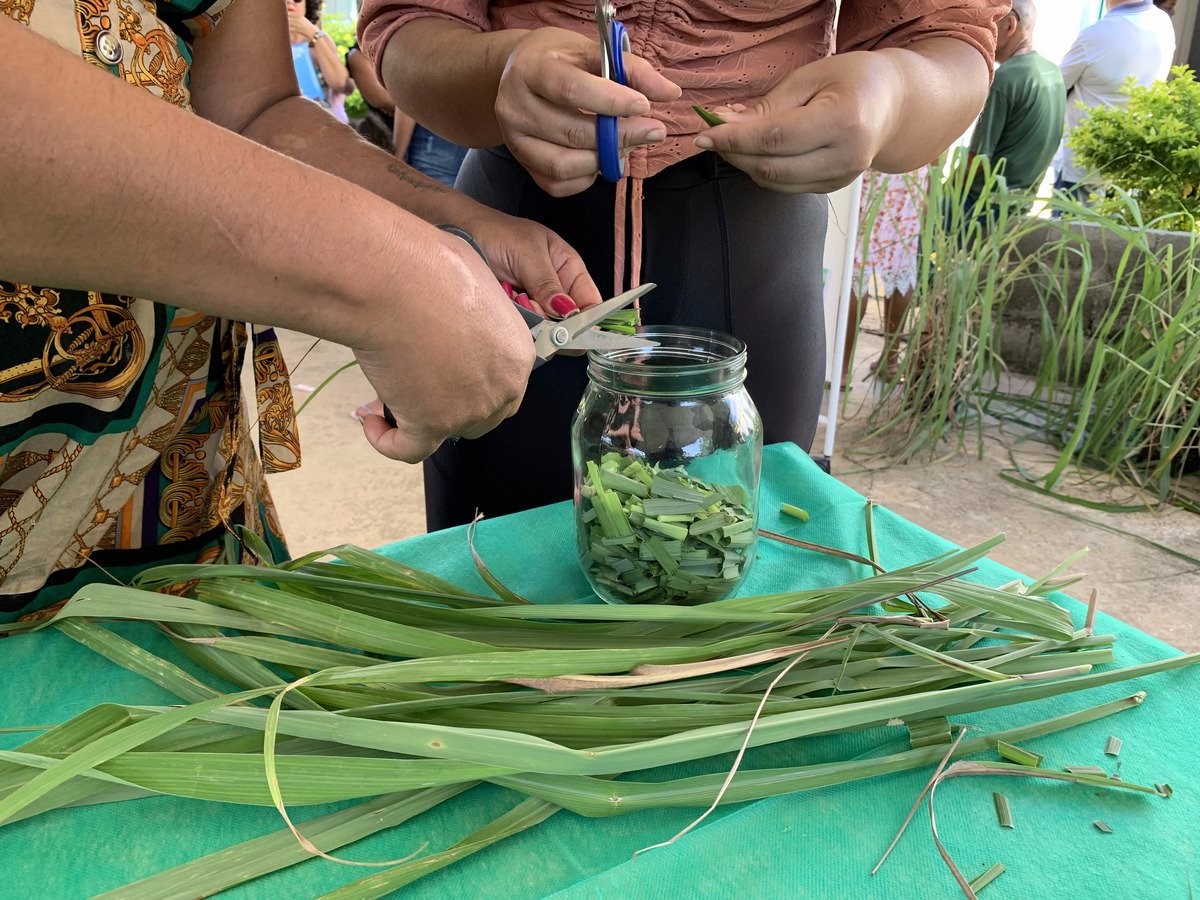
[[508, 289], [523, 300], [563, 305], [704, 143], [655, 136]]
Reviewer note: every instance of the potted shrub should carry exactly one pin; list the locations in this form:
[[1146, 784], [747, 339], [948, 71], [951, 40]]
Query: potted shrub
[[1149, 148]]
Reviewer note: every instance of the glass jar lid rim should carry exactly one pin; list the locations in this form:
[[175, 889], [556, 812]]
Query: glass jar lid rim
[[716, 349]]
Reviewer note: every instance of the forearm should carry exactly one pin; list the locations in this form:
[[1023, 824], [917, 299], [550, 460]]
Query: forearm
[[307, 133], [366, 82], [446, 76], [942, 85], [333, 70], [104, 187]]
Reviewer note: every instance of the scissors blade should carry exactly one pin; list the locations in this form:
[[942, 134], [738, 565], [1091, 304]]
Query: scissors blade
[[580, 322], [595, 339]]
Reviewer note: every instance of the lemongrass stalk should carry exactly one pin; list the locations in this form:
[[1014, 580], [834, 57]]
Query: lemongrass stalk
[[597, 797], [110, 745], [537, 755], [261, 856], [130, 656], [520, 818]]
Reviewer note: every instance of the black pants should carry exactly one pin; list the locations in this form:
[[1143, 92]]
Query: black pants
[[726, 255]]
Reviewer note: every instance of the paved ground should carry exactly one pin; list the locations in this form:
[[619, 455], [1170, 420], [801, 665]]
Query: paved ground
[[345, 492]]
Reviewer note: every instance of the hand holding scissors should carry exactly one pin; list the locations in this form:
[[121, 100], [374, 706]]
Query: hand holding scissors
[[553, 87], [577, 332]]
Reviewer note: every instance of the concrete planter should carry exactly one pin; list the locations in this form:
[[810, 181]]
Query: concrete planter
[[1021, 335]]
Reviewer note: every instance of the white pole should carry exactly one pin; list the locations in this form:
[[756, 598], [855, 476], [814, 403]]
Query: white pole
[[843, 319]]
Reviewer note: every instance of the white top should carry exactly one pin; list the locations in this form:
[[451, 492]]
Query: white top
[[1133, 39]]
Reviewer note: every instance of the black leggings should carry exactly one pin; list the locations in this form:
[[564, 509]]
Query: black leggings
[[726, 255]]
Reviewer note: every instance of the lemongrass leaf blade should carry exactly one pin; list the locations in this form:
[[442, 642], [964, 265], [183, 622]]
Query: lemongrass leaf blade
[[521, 818], [261, 856]]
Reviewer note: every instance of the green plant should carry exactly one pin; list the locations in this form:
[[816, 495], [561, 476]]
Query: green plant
[[1117, 392], [1150, 148], [342, 30]]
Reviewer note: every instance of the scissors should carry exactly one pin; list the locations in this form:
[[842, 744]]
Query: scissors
[[614, 43], [576, 332]]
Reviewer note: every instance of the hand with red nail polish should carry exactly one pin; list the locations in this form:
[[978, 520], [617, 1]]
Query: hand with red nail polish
[[530, 259], [562, 305]]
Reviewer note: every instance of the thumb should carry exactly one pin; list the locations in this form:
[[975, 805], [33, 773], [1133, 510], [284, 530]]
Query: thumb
[[397, 443]]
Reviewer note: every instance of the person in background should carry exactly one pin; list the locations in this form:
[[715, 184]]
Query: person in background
[[1022, 123], [891, 206], [732, 227], [1135, 39], [415, 144], [1167, 6], [322, 75]]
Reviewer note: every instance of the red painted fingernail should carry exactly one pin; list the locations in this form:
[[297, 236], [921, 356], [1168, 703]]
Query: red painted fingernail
[[523, 300], [563, 305], [508, 289]]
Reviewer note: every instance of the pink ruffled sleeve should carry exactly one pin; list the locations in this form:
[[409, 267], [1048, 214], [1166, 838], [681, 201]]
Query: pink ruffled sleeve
[[378, 20], [874, 24]]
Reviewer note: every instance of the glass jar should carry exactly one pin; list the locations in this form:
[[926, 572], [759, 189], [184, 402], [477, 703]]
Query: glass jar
[[667, 449]]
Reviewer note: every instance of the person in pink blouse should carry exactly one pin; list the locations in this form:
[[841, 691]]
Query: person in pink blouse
[[729, 220]]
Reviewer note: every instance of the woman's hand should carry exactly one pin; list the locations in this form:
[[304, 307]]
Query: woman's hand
[[892, 110], [548, 99], [454, 364], [535, 260], [821, 128], [301, 30]]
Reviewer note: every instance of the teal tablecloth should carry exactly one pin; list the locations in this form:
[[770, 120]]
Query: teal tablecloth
[[817, 844]]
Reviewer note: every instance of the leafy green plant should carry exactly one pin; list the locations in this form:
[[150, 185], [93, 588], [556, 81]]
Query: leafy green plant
[[1150, 148], [1117, 391], [341, 29]]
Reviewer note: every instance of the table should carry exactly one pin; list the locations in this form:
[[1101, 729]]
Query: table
[[819, 844]]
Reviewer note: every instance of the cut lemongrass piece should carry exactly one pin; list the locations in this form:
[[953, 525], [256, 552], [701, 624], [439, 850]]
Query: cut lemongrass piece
[[1019, 755], [710, 119], [979, 882], [1113, 747], [1102, 826], [1003, 810], [794, 511]]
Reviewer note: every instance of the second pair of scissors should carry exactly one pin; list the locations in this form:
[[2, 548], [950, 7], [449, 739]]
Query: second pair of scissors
[[614, 44]]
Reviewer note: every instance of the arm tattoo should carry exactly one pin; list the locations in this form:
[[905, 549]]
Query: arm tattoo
[[414, 178]]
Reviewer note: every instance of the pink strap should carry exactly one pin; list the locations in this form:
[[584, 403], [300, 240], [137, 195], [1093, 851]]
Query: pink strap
[[619, 206], [629, 196]]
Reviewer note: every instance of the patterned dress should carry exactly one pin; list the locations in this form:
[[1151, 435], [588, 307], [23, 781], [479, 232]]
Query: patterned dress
[[891, 207], [124, 441]]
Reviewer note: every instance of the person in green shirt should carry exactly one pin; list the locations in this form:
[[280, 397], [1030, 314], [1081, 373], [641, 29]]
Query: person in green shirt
[[1022, 123]]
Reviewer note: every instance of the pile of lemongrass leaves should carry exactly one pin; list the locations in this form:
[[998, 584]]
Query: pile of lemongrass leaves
[[360, 677]]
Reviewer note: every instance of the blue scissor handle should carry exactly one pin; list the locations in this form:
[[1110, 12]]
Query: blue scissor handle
[[612, 167]]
